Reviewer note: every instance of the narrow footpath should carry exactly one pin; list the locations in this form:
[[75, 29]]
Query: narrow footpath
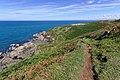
[[87, 72]]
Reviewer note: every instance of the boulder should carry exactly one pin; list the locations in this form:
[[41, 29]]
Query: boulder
[[13, 47], [41, 37], [106, 34], [17, 45], [1, 53]]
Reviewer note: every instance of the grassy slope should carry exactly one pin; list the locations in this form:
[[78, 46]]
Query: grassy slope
[[63, 59], [106, 53], [106, 58]]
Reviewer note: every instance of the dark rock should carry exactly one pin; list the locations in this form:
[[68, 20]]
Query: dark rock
[[20, 58], [102, 58], [1, 56], [106, 33], [15, 57]]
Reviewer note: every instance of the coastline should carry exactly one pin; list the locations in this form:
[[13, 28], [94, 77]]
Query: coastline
[[11, 30], [19, 52], [6, 50]]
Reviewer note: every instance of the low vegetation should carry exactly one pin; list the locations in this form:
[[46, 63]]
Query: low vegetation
[[63, 59]]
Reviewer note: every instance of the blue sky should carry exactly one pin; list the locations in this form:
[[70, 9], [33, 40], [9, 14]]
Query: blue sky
[[59, 9]]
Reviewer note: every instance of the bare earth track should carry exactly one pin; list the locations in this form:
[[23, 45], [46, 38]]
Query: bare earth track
[[87, 72]]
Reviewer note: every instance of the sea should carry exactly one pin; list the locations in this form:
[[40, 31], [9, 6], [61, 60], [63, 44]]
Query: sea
[[18, 32]]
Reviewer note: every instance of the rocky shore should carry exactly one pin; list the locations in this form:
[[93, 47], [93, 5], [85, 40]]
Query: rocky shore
[[18, 52]]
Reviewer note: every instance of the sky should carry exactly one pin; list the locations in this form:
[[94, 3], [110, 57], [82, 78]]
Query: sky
[[59, 9]]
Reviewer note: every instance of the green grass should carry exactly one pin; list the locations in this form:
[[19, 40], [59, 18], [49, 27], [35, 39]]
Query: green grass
[[73, 58], [33, 60], [109, 48], [71, 32], [63, 59]]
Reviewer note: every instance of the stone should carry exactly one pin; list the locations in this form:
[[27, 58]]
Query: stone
[[106, 34], [17, 45], [1, 53], [41, 37], [15, 57], [1, 56], [12, 45]]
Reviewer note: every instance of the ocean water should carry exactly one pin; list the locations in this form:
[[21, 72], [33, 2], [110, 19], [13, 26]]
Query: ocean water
[[21, 31]]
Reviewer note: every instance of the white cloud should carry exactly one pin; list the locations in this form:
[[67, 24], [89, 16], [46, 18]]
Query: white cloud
[[110, 1], [107, 17], [90, 2], [53, 10], [67, 7]]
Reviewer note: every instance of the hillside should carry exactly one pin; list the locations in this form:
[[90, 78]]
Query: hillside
[[74, 48]]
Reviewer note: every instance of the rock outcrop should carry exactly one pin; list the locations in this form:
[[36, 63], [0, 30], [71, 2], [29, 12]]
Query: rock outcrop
[[13, 46], [44, 36], [19, 52], [106, 33]]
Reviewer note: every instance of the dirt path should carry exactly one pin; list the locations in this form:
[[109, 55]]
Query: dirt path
[[87, 73]]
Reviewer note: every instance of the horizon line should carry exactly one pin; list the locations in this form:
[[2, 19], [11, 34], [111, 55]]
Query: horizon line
[[55, 20]]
